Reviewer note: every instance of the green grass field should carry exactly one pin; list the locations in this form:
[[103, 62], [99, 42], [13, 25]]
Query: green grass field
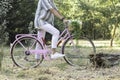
[[58, 69]]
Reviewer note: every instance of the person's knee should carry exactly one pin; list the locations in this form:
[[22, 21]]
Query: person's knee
[[57, 33]]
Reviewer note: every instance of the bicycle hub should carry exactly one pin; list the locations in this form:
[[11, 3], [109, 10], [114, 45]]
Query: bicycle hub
[[27, 52]]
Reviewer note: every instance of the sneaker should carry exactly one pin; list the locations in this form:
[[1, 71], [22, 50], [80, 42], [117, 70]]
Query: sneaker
[[57, 55]]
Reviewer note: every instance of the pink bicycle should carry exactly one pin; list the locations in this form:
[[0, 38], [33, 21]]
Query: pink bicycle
[[76, 50]]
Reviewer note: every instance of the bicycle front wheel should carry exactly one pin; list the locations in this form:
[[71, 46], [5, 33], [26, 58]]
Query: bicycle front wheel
[[21, 55], [77, 51]]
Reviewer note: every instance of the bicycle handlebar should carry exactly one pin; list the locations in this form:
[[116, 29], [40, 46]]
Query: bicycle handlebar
[[67, 23]]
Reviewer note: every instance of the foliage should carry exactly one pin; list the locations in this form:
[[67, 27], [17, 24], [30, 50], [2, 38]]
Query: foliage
[[3, 33], [75, 29], [117, 36], [19, 17], [5, 6], [97, 16]]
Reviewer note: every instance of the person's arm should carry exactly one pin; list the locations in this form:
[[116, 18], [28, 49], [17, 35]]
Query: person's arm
[[47, 6], [57, 14]]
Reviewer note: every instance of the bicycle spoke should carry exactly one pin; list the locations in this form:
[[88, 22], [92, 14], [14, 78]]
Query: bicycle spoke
[[22, 45], [33, 44], [21, 55], [76, 52]]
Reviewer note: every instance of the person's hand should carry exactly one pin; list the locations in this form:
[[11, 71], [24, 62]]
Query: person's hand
[[65, 21]]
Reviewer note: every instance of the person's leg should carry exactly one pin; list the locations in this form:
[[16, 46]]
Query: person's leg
[[55, 35], [40, 34]]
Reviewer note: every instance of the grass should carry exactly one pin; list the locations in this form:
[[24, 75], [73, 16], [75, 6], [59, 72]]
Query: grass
[[58, 69]]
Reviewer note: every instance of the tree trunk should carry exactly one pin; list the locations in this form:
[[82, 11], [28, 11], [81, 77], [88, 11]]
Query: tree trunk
[[113, 35], [1, 56]]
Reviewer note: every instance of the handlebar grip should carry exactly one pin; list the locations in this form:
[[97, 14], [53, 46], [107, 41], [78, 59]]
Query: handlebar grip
[[67, 23]]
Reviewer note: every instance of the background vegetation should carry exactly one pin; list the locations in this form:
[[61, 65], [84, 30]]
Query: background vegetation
[[100, 18]]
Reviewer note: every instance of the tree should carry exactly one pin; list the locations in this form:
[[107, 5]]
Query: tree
[[115, 17], [97, 16], [5, 6], [19, 17]]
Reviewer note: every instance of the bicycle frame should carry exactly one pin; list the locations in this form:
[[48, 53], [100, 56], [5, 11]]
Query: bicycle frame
[[23, 49], [63, 36]]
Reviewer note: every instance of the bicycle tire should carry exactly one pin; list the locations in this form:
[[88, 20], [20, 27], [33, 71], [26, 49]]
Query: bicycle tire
[[18, 55], [77, 54]]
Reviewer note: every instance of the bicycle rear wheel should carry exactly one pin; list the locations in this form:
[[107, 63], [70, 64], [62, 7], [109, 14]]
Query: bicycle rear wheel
[[77, 51], [20, 52]]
